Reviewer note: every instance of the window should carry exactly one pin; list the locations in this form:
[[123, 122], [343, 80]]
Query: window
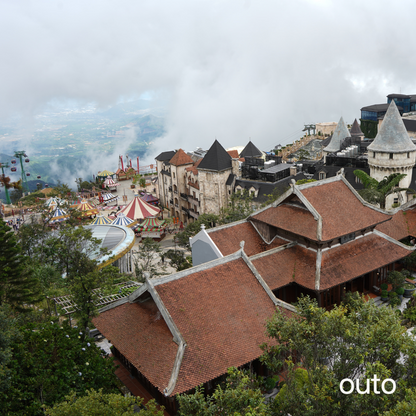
[[322, 175], [374, 154], [408, 155], [391, 155], [173, 175]]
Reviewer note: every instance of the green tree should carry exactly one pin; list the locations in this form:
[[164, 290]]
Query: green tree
[[376, 192], [97, 403], [178, 260], [303, 181], [148, 260], [355, 340], [303, 154], [49, 361], [239, 207], [240, 396], [17, 285]]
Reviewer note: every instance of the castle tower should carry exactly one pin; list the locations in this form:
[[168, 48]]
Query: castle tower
[[392, 151], [341, 132]]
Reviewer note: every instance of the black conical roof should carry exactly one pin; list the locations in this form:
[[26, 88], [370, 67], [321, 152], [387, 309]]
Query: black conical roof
[[251, 151], [216, 158]]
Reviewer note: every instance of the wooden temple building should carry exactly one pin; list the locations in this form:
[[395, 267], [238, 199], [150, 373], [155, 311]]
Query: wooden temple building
[[180, 331]]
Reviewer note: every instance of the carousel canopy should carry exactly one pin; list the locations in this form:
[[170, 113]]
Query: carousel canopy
[[139, 209], [123, 220], [149, 198], [109, 197], [58, 215], [101, 220], [87, 208], [152, 224], [53, 202], [105, 173], [110, 183]]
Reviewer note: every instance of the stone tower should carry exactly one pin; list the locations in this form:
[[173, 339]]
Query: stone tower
[[392, 151]]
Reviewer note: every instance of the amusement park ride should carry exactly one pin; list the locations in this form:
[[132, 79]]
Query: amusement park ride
[[22, 157]]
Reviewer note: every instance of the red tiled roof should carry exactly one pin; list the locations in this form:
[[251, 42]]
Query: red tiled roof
[[140, 333], [341, 211], [233, 153], [357, 258], [292, 265], [291, 218], [181, 158], [193, 168], [339, 264], [193, 184], [397, 227], [411, 221], [228, 239], [221, 313]]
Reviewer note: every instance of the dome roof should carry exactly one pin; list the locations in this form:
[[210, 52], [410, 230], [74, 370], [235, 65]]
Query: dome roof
[[392, 136]]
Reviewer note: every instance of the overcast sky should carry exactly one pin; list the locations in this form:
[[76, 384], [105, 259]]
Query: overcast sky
[[231, 69]]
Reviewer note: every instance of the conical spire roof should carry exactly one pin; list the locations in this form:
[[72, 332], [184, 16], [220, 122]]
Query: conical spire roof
[[251, 151], [340, 133], [355, 129], [216, 158], [392, 136]]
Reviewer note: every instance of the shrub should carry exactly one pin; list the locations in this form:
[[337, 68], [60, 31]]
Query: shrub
[[384, 286], [400, 291], [384, 294]]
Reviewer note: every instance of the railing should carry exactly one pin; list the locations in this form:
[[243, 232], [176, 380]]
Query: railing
[[170, 188], [171, 201], [185, 209], [192, 199], [175, 191], [176, 205], [193, 214], [184, 196]]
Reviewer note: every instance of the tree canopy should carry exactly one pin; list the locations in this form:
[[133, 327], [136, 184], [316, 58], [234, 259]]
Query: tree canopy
[[376, 192]]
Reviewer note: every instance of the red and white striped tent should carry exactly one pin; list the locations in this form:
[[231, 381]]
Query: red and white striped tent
[[138, 209], [110, 183]]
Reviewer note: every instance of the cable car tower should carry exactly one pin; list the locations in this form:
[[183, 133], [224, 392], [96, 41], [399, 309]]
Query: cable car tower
[[5, 165], [22, 156]]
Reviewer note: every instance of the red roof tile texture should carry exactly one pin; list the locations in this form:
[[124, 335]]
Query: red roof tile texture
[[338, 265], [397, 227], [181, 158], [341, 211], [228, 240], [233, 153], [292, 265], [361, 256], [221, 314], [140, 333], [290, 218]]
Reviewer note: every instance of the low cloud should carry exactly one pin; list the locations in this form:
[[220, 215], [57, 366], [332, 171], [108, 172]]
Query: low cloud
[[232, 70]]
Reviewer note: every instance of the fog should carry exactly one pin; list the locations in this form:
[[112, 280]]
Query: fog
[[231, 70]]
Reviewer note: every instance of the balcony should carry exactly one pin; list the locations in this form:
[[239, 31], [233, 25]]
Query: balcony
[[170, 188], [185, 209], [175, 191], [192, 199], [176, 205], [171, 201], [193, 214], [184, 196]]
